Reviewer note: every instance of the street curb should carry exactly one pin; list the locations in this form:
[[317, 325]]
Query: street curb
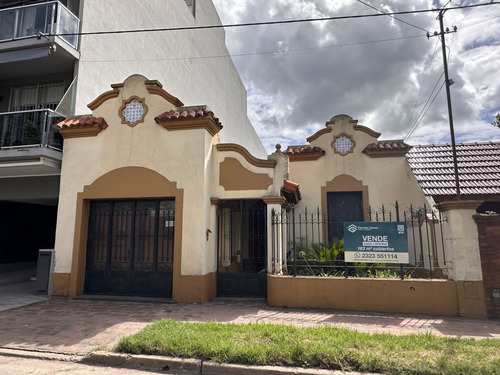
[[194, 366], [145, 362], [32, 354]]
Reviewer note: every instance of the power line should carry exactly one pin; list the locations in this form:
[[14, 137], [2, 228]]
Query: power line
[[477, 22], [417, 124], [267, 22], [398, 19], [265, 52], [423, 82], [425, 108]]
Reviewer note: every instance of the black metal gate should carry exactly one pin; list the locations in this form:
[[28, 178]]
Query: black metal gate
[[242, 244], [130, 248]]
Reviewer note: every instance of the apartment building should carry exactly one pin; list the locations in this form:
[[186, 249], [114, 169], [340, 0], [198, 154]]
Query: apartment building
[[52, 65]]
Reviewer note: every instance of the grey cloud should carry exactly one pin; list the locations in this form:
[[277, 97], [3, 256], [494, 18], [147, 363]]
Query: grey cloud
[[305, 84]]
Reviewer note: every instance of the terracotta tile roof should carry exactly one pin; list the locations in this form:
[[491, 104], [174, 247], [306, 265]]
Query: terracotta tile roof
[[291, 191], [396, 145], [85, 121], [304, 153], [191, 112], [478, 168], [304, 149]]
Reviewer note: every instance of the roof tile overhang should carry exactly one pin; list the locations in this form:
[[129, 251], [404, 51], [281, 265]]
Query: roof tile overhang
[[192, 117], [478, 169], [291, 191], [304, 152], [384, 149], [83, 126]]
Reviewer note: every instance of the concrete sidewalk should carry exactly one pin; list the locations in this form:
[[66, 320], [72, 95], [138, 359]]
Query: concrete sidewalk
[[78, 326]]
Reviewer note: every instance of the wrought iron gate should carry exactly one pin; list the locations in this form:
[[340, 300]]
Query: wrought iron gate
[[130, 248], [242, 244]]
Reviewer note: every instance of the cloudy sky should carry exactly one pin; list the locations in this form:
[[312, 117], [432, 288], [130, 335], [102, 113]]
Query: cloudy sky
[[381, 71]]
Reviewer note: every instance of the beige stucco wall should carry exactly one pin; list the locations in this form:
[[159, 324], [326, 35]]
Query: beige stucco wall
[[192, 64], [382, 295], [270, 187], [461, 240], [182, 157]]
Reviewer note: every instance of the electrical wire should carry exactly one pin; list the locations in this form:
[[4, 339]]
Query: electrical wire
[[398, 19], [263, 52], [422, 113], [477, 22], [423, 82], [266, 23]]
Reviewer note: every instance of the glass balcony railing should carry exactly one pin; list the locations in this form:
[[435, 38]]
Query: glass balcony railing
[[30, 128], [46, 18]]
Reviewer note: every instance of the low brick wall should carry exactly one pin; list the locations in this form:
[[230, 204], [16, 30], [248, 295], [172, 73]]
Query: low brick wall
[[413, 296], [488, 227]]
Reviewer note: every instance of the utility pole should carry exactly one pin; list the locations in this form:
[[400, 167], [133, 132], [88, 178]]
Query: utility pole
[[448, 83]]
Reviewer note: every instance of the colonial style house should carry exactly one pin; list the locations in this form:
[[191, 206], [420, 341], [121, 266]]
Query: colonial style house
[[165, 190]]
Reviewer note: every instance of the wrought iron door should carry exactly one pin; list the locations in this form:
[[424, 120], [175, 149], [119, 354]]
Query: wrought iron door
[[130, 248], [343, 206], [242, 249]]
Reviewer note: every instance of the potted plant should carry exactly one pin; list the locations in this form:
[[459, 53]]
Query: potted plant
[[31, 133]]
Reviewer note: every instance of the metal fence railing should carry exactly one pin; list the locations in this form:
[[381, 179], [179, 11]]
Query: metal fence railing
[[43, 18], [300, 244], [30, 128]]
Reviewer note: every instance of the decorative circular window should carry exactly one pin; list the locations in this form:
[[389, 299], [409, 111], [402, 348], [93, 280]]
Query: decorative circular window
[[343, 144], [133, 111]]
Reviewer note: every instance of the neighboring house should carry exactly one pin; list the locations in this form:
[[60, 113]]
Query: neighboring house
[[48, 73], [345, 170], [478, 167]]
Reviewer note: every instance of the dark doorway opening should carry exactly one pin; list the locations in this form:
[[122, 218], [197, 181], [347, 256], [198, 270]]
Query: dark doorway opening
[[343, 206], [242, 249]]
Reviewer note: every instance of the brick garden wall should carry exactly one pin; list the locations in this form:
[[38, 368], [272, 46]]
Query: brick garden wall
[[489, 245]]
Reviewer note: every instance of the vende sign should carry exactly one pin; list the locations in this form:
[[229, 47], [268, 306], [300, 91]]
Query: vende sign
[[376, 242]]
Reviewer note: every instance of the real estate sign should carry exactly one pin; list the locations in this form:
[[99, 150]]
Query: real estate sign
[[376, 242]]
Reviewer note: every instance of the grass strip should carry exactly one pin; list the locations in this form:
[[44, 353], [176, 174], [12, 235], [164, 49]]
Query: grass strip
[[323, 347]]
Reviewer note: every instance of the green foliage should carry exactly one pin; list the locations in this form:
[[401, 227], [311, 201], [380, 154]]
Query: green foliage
[[323, 347], [321, 259], [496, 123], [327, 260], [30, 130]]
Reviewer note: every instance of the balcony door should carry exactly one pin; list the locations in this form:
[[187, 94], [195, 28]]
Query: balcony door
[[37, 96]]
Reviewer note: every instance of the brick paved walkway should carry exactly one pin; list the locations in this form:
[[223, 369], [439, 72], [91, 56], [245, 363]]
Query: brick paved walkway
[[78, 326]]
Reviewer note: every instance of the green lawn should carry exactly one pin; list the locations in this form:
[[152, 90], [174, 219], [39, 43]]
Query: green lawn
[[320, 347]]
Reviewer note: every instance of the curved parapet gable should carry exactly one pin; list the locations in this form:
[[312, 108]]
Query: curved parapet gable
[[111, 94], [156, 88], [248, 157], [344, 124], [318, 134], [366, 130], [240, 174]]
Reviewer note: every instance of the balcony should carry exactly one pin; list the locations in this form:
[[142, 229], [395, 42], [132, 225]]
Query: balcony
[[31, 42], [30, 144], [46, 18]]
